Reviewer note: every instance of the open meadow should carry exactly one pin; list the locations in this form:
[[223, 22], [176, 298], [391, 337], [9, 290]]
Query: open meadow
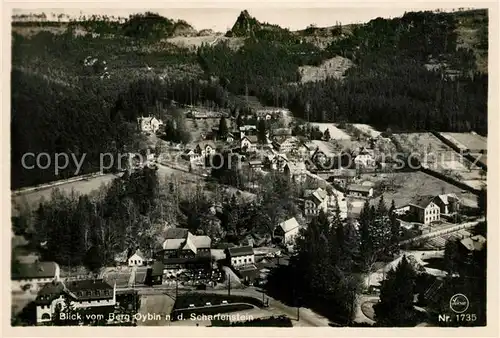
[[335, 132], [468, 141], [403, 187], [367, 129]]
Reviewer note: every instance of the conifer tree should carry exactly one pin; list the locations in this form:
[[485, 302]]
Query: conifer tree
[[381, 208], [223, 130], [326, 135], [395, 226], [396, 297], [262, 131]]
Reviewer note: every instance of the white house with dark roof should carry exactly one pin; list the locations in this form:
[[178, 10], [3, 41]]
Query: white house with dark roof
[[149, 124], [284, 144], [425, 209], [34, 274], [83, 294], [182, 248], [365, 158], [296, 171], [287, 230], [315, 201], [136, 258], [240, 256], [249, 143], [360, 190]]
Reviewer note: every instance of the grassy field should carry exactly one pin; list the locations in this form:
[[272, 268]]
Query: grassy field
[[32, 199], [425, 144], [468, 141], [440, 157], [402, 187], [121, 278], [335, 133], [367, 129]]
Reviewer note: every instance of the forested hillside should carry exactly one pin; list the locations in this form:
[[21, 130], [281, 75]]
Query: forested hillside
[[409, 74], [50, 118], [77, 90]]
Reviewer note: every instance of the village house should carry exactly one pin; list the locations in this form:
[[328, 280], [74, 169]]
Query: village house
[[275, 162], [182, 249], [287, 231], [447, 203], [240, 256], [402, 210], [149, 124], [284, 144], [365, 158], [248, 129], [264, 114], [249, 143], [425, 210], [297, 171], [34, 275], [190, 155], [255, 164], [229, 138], [214, 135], [342, 177], [360, 190], [315, 201], [474, 243], [136, 258], [204, 149], [82, 294]]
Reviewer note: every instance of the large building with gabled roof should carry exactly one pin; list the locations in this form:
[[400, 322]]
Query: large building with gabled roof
[[425, 209], [182, 249], [287, 230]]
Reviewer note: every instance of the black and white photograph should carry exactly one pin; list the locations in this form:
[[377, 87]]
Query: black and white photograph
[[249, 167]]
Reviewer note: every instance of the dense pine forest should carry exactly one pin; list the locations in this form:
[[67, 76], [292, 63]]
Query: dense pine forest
[[410, 73]]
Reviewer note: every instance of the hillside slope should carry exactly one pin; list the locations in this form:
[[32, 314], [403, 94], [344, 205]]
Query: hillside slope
[[422, 71]]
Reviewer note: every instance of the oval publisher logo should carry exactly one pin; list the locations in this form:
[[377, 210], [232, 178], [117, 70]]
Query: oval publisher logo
[[459, 303]]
